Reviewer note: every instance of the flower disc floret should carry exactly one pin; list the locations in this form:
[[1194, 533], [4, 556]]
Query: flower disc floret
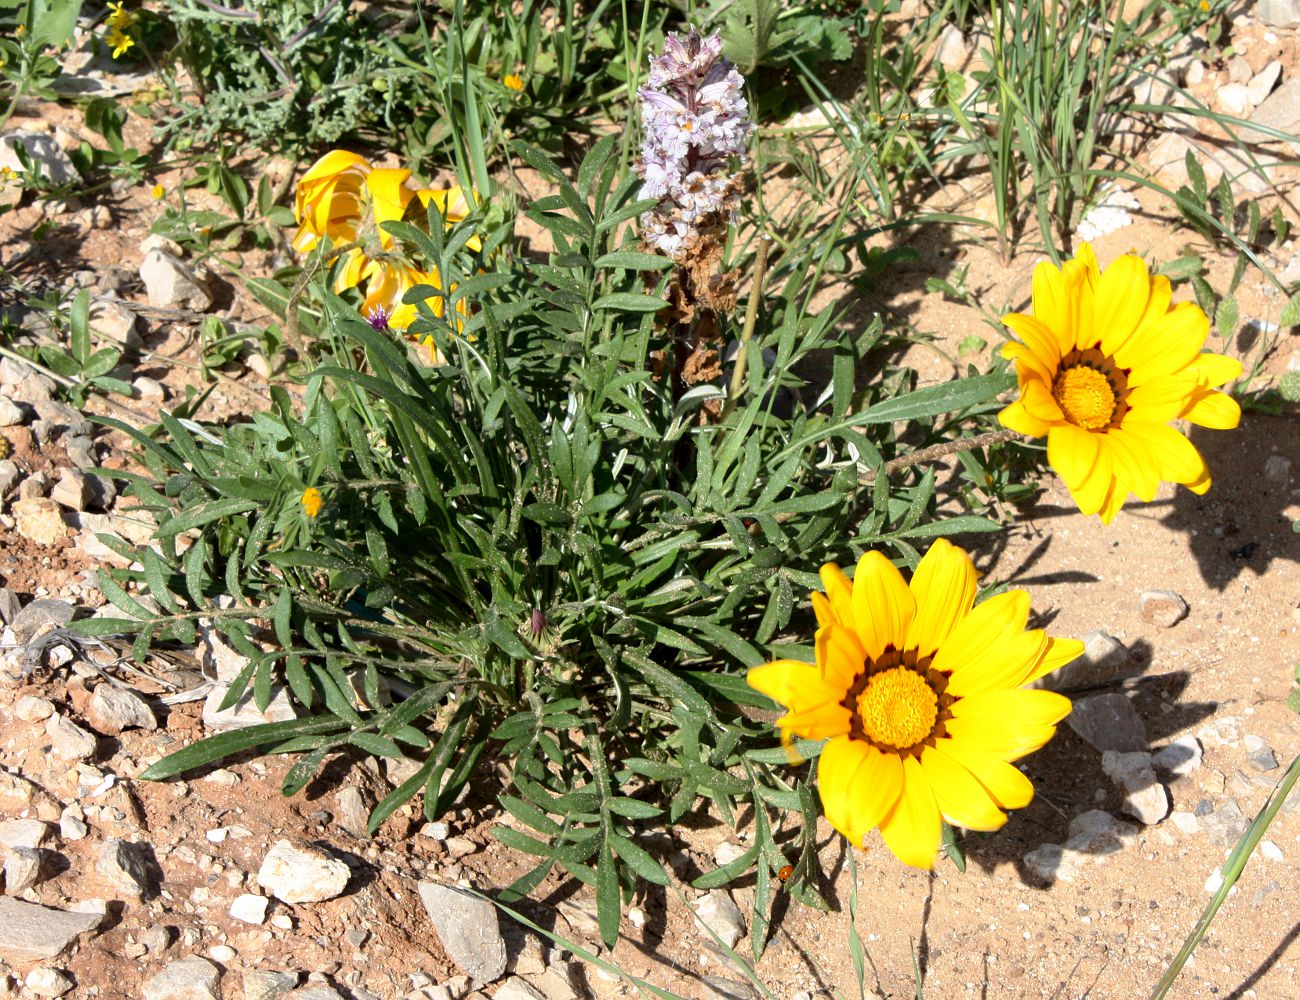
[[1104, 364], [921, 698]]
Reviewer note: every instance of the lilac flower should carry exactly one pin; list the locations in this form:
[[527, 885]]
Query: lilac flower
[[696, 121], [378, 318]]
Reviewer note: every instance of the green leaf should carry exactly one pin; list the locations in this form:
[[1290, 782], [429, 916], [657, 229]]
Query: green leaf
[[634, 260], [936, 399], [214, 748], [204, 513], [629, 302], [1291, 312], [608, 909]]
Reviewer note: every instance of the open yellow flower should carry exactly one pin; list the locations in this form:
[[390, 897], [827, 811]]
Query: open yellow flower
[[119, 41], [118, 17], [328, 201], [1104, 364], [920, 697], [513, 81], [311, 501]]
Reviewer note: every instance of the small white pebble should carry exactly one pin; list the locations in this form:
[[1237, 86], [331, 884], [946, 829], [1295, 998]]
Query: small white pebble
[[249, 908], [1215, 882], [219, 835], [1270, 850], [282, 921], [221, 953]]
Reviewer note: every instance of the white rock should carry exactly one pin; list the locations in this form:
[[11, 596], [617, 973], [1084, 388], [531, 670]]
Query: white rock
[[726, 852], [45, 154], [353, 814], [1277, 468], [1145, 798], [40, 520], [719, 913], [30, 933], [516, 988], [301, 874], [148, 388], [249, 908], [171, 284], [1186, 822], [11, 414], [468, 928], [15, 833], [1278, 13], [1234, 98], [952, 51], [263, 984], [30, 708], [1181, 757], [1215, 882], [191, 978], [222, 953], [45, 982], [72, 823], [1270, 851], [1162, 607], [70, 741], [115, 321], [1194, 73], [1263, 82], [113, 709]]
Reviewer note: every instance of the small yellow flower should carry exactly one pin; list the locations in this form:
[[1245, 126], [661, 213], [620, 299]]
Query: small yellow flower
[[119, 18], [20, 31], [311, 501], [7, 174], [157, 192], [119, 41], [513, 82], [1205, 6]]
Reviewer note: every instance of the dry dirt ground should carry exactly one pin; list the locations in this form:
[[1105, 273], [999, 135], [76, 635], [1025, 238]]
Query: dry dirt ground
[[1101, 921]]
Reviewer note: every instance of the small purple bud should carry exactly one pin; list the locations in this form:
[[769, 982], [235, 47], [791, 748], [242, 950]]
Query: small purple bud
[[537, 623], [378, 318]]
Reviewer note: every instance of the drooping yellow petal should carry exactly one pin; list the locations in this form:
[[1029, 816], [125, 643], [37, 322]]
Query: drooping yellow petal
[[858, 785], [792, 683], [944, 587], [1058, 653], [839, 592], [1215, 369], [1005, 783], [1036, 336], [1180, 462], [883, 606], [839, 655], [962, 800], [1017, 418], [1073, 453], [913, 829], [1052, 304], [1212, 408], [1135, 468]]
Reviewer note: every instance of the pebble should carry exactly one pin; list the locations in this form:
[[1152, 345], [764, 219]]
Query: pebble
[[353, 814], [69, 741], [1263, 82], [436, 831], [516, 988], [1224, 731], [15, 833], [1185, 822], [29, 708], [125, 866], [727, 852], [460, 847], [1181, 757], [316, 991], [46, 982], [23, 867], [249, 908], [11, 414], [1224, 825], [222, 953], [1098, 833], [8, 475], [468, 928], [1234, 98], [1109, 722], [1278, 13], [1263, 759], [1215, 882], [1162, 607], [283, 921], [43, 152], [192, 978], [263, 984], [718, 988], [72, 490], [1104, 660], [952, 52], [170, 283], [39, 520], [1270, 851], [72, 823], [1277, 468], [32, 933], [113, 709], [301, 874], [719, 913], [1144, 797], [115, 321]]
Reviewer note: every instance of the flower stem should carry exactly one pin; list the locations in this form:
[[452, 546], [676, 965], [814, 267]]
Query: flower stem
[[938, 451], [747, 332]]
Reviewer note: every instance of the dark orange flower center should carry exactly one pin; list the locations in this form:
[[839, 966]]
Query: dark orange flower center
[[1091, 389], [898, 703]]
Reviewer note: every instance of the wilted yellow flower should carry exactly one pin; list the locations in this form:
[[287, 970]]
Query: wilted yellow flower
[[8, 174], [921, 698], [513, 82], [157, 192], [20, 31], [119, 18], [1104, 364], [328, 200], [311, 501]]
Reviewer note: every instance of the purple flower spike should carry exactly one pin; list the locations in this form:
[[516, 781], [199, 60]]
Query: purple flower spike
[[696, 120], [378, 318]]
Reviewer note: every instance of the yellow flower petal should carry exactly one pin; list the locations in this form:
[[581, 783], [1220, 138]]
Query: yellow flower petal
[[1012, 709], [839, 592], [962, 800], [1053, 305], [883, 606], [913, 829], [1214, 409], [858, 785], [1057, 653], [1004, 782], [822, 609], [1001, 665], [980, 630], [1073, 453], [1169, 345], [840, 655], [791, 683], [1215, 369], [1135, 467], [944, 587], [1123, 292], [1036, 336], [1017, 418]]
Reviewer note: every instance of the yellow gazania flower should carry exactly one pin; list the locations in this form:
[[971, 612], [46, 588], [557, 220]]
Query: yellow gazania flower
[[921, 700], [311, 501], [390, 280], [119, 41], [513, 82], [453, 206], [1104, 364], [327, 201]]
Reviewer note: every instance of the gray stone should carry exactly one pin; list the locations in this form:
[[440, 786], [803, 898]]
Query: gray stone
[[149, 388], [72, 823], [1162, 607], [1278, 13], [1280, 111], [1109, 722], [72, 490], [719, 913], [1181, 757], [23, 869], [34, 487], [39, 616], [69, 740], [113, 709], [516, 988], [1098, 833], [43, 152], [10, 606], [718, 988], [171, 284], [301, 874], [81, 451], [250, 908], [1263, 82], [11, 414], [1263, 759], [316, 991], [1144, 797], [33, 933], [63, 418], [115, 321], [263, 984], [16, 833], [125, 866], [191, 978], [46, 982], [1104, 660], [1277, 468], [353, 815], [8, 475], [33, 388], [1226, 824], [220, 659], [468, 928]]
